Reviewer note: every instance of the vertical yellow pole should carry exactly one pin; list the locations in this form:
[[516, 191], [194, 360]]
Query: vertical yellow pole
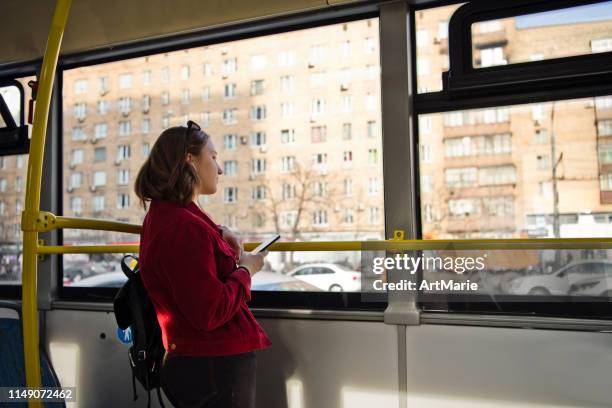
[[32, 200]]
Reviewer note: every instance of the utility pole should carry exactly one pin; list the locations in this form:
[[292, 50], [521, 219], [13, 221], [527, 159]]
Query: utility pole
[[555, 163]]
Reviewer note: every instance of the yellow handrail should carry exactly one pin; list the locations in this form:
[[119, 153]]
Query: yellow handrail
[[32, 200]]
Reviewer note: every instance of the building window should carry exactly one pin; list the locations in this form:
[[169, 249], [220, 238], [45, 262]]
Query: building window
[[374, 215], [76, 205], [604, 128], [258, 166], [257, 87], [76, 157], [317, 107], [230, 141], [422, 66], [318, 134], [543, 162], [287, 83], [348, 216], [165, 74], [258, 192], [369, 45], [80, 110], [98, 203], [146, 125], [125, 105], [259, 220], [258, 62], [230, 195], [103, 85], [123, 152], [102, 107], [541, 136], [318, 79], [80, 86], [288, 219], [371, 126], [99, 154], [288, 163], [207, 69], [20, 161], [319, 217], [317, 54], [229, 91], [165, 98], [206, 94], [78, 133], [18, 184], [125, 128], [463, 207], [345, 48], [497, 175], [3, 185], [229, 167], [146, 103], [347, 106], [185, 72], [229, 66], [165, 121], [258, 139], [125, 81], [347, 187], [100, 131], [286, 58], [319, 188], [205, 119], [288, 136], [76, 180], [461, 177], [372, 156], [605, 181], [145, 148], [370, 101], [319, 159], [347, 157], [123, 177], [229, 116], [347, 132], [123, 201], [601, 45], [287, 109], [99, 178], [258, 112], [288, 191], [146, 77], [185, 96], [373, 184], [492, 56]]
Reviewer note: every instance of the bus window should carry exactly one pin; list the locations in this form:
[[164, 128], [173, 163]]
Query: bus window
[[582, 30], [13, 169], [295, 117]]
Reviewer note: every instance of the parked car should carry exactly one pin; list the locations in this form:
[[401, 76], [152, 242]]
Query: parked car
[[328, 277], [600, 287], [263, 280], [560, 281]]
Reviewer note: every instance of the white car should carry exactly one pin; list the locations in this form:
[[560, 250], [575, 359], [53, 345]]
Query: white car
[[560, 281], [328, 277]]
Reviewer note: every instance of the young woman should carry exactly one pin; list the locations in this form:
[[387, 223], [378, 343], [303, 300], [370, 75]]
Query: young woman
[[197, 276]]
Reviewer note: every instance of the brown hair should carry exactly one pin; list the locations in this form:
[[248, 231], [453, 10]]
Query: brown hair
[[166, 174]]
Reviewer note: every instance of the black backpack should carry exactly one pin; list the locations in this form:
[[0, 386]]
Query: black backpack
[[134, 309]]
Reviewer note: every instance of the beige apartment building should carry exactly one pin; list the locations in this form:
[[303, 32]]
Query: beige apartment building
[[488, 172]]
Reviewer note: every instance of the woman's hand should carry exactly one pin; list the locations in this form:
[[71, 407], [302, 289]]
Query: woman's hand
[[253, 263], [231, 238]]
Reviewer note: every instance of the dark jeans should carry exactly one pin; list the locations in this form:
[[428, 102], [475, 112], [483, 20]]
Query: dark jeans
[[210, 382]]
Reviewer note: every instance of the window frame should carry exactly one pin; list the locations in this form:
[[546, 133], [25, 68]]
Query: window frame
[[480, 88], [316, 300]]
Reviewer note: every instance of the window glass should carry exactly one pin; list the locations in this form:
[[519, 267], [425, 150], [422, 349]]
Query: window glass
[[13, 171], [494, 173], [582, 30], [281, 141]]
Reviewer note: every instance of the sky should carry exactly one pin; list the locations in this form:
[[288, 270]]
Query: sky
[[573, 15]]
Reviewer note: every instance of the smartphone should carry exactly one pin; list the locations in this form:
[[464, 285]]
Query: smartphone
[[261, 247]]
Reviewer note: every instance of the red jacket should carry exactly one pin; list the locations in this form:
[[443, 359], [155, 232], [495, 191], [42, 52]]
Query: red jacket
[[190, 274]]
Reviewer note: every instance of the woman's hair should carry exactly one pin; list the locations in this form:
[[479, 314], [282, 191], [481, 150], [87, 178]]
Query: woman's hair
[[166, 174]]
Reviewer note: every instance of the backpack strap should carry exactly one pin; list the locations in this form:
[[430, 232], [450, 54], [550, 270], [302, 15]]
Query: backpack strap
[[159, 398], [134, 385], [148, 390], [126, 269]]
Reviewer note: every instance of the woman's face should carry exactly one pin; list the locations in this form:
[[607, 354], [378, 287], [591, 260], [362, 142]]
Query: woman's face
[[207, 167]]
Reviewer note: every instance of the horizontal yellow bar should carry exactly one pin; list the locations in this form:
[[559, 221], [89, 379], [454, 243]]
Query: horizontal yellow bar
[[391, 245], [100, 225]]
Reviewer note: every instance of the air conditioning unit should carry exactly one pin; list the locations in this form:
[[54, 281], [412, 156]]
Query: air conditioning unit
[[437, 40], [93, 188], [103, 92], [117, 162], [337, 208], [125, 113], [311, 64], [81, 119], [70, 189], [93, 140], [323, 172], [243, 140], [263, 149], [251, 176], [344, 87], [72, 165], [146, 110], [360, 207]]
